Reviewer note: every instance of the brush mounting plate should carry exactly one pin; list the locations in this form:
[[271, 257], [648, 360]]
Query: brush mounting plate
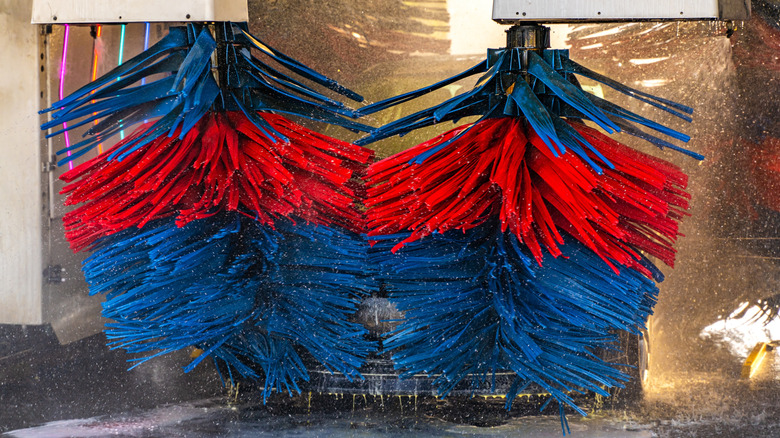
[[137, 11], [577, 11]]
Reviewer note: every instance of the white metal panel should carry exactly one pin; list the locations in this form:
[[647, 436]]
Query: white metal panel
[[129, 11], [604, 10], [472, 30], [20, 168]]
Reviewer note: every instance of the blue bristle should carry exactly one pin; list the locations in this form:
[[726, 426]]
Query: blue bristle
[[246, 294], [476, 303], [543, 97], [387, 103], [567, 91], [523, 96], [177, 101]]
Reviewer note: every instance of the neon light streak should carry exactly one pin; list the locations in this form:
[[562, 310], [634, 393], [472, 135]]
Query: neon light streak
[[122, 45], [95, 52], [95, 55], [121, 55], [146, 36], [146, 46], [62, 84]]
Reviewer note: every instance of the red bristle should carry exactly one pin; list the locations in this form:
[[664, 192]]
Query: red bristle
[[501, 167], [764, 168], [222, 163]]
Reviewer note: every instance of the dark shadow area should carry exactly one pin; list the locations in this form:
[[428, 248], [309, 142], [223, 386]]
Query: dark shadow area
[[43, 381]]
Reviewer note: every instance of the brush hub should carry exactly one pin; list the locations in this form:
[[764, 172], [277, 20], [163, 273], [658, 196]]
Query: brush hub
[[528, 37]]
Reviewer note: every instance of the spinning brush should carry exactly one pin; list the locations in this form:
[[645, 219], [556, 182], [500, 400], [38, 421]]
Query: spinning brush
[[759, 43], [765, 170], [519, 238], [219, 223], [756, 56]]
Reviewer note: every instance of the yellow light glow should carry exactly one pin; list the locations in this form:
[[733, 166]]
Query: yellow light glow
[[643, 61], [754, 360]]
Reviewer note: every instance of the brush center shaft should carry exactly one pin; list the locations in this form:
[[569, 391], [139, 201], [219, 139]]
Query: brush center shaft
[[528, 36]]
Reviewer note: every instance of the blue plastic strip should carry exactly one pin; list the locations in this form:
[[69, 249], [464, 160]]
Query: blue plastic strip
[[541, 94], [402, 98], [242, 292], [476, 303]]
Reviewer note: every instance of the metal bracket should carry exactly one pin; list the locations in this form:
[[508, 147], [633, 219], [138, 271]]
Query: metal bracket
[[53, 274], [528, 36], [736, 10], [49, 166], [568, 11], [137, 11]]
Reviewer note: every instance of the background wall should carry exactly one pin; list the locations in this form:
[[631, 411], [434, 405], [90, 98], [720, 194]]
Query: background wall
[[20, 168]]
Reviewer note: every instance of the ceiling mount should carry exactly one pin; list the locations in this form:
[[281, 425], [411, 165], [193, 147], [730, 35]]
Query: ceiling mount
[[132, 11], [577, 11]]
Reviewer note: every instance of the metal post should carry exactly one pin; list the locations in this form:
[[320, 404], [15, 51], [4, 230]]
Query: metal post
[[528, 37], [220, 56]]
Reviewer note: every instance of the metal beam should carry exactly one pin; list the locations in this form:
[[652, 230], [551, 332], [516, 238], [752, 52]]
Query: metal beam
[[564, 11], [134, 11]]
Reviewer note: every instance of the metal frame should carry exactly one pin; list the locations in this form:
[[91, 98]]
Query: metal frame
[[566, 11], [137, 11]]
